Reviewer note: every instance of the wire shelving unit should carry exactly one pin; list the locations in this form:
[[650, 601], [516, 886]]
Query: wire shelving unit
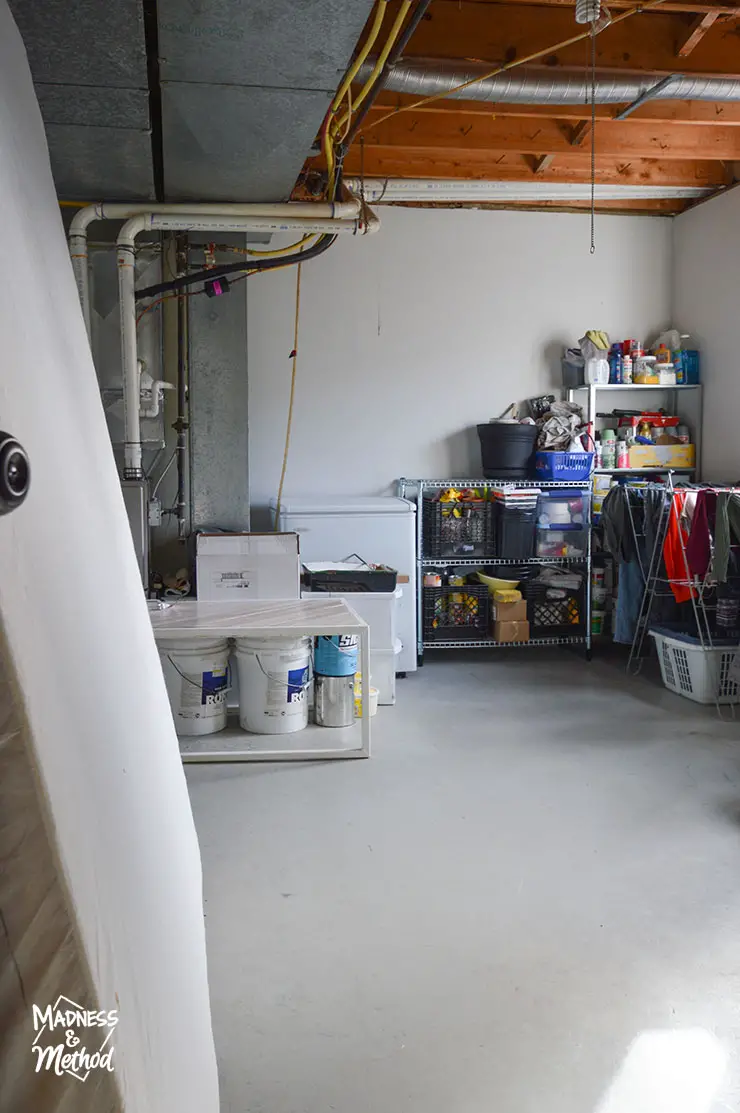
[[418, 489]]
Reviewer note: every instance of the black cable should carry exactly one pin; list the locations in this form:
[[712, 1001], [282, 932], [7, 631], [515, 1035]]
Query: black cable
[[312, 252]]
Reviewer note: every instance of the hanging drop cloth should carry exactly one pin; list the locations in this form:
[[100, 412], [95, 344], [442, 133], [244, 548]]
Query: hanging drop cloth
[[101, 886]]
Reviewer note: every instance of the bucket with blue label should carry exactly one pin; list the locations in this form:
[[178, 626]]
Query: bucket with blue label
[[335, 655]]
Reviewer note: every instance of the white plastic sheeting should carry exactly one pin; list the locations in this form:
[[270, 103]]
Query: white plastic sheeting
[[98, 725]]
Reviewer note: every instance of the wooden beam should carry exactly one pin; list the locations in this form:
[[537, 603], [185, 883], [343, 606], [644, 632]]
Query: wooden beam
[[495, 33], [669, 112], [483, 165], [448, 137], [698, 30], [687, 6], [580, 133], [542, 163]]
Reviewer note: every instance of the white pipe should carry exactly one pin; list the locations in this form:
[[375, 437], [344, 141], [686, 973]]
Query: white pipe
[[378, 190], [343, 210], [157, 401], [193, 220]]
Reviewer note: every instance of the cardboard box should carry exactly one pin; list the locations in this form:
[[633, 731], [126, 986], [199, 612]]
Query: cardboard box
[[230, 567], [662, 456], [511, 631], [510, 612]]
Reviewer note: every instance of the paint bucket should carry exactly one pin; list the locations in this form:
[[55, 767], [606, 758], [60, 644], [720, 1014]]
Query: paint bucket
[[196, 675], [336, 655], [334, 700], [273, 683]]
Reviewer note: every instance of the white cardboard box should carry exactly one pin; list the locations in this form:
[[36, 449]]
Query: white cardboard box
[[234, 566]]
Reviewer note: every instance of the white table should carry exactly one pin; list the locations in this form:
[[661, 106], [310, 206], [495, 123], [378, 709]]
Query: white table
[[290, 618]]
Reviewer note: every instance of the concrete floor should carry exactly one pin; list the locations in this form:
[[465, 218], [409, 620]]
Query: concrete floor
[[527, 901]]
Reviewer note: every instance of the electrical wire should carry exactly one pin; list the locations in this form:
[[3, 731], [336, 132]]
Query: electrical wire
[[327, 139], [266, 254], [379, 61], [510, 65], [167, 467], [294, 358], [279, 250], [323, 244], [158, 301]]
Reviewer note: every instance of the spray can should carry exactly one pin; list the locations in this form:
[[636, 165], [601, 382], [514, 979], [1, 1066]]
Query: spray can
[[623, 454], [626, 369]]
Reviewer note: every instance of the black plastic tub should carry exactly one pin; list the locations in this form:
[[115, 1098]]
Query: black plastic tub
[[507, 449]]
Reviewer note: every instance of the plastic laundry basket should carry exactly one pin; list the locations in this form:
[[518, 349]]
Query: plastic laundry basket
[[701, 674]]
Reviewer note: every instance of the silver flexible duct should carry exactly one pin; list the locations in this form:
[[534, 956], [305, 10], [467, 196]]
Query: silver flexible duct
[[537, 87]]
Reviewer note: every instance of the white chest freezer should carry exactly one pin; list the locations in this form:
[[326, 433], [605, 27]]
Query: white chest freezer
[[379, 530]]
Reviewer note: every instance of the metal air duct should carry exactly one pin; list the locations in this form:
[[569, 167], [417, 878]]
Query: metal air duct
[[540, 87]]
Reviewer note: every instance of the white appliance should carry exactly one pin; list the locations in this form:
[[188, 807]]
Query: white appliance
[[380, 530]]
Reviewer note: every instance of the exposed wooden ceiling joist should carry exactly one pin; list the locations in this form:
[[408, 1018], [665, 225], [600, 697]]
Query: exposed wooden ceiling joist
[[448, 135], [501, 32], [663, 143], [573, 167], [679, 6]]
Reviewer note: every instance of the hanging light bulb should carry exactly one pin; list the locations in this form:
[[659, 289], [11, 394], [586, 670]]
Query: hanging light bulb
[[587, 11]]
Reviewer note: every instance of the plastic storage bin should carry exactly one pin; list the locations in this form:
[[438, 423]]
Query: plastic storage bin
[[566, 466], [383, 669], [562, 542], [461, 529], [514, 529], [698, 673], [456, 613], [565, 507]]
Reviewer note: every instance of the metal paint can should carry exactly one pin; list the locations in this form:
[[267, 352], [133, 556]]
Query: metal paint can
[[334, 700]]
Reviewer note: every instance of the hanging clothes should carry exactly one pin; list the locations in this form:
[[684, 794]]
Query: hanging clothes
[[726, 531], [630, 517], [674, 551], [699, 545]]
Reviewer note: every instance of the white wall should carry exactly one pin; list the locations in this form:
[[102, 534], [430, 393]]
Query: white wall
[[706, 298], [411, 337], [96, 717]]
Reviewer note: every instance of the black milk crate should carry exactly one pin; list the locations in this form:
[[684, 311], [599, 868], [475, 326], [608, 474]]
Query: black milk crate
[[457, 529], [555, 611], [515, 530], [456, 613]]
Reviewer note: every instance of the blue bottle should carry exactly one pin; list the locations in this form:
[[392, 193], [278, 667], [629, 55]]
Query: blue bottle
[[615, 364]]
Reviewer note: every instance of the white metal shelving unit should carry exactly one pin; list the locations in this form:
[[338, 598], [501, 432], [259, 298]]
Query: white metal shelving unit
[[422, 485], [685, 390], [289, 618]]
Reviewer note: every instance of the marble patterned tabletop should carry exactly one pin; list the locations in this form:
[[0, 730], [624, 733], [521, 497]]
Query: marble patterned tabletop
[[296, 617]]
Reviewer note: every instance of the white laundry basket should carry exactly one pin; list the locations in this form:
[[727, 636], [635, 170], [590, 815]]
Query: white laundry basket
[[704, 675], [195, 672]]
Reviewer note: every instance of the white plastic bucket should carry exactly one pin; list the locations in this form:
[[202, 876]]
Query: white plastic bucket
[[273, 684], [195, 672]]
